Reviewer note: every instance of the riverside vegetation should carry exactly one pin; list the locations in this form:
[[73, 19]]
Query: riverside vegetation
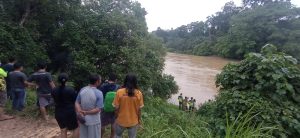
[[259, 96]]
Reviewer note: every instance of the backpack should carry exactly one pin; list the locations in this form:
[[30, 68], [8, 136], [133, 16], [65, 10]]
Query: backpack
[[109, 98]]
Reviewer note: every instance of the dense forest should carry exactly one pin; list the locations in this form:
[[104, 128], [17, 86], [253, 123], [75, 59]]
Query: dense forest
[[238, 30], [82, 37]]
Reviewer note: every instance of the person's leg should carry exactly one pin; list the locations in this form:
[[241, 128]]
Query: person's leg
[[75, 133], [132, 132], [3, 98], [102, 131], [112, 130], [43, 103], [44, 113], [83, 131], [119, 131], [63, 133], [21, 100], [94, 131], [15, 101]]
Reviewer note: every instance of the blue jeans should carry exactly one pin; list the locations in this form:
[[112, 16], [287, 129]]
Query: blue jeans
[[18, 97], [132, 131]]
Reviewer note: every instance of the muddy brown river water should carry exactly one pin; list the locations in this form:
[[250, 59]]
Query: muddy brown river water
[[195, 75]]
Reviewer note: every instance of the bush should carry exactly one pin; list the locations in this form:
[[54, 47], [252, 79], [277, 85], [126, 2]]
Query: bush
[[268, 82]]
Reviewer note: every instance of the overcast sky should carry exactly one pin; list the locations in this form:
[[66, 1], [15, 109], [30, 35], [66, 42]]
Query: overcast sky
[[169, 14]]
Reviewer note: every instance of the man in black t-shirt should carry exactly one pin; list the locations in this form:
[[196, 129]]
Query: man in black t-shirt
[[45, 85]]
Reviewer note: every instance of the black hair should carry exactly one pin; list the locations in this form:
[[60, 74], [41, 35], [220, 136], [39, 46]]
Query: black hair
[[17, 66], [11, 59], [130, 83], [42, 65], [112, 77], [62, 79], [94, 78]]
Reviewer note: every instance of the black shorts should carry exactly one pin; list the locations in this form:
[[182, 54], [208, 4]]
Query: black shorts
[[107, 118], [66, 119]]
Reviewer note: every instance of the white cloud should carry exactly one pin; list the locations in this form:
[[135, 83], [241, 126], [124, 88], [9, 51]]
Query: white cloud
[[169, 14]]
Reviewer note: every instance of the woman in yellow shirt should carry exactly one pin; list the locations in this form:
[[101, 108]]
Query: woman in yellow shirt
[[128, 103]]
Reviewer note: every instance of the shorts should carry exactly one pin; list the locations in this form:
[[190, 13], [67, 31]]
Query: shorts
[[45, 101], [3, 97], [66, 119], [107, 118]]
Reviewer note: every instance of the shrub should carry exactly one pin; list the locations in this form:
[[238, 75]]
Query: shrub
[[268, 82]]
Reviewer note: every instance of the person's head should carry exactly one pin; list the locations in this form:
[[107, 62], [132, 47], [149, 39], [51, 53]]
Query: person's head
[[181, 94], [130, 83], [112, 77], [62, 79], [192, 98], [42, 65], [18, 66], [12, 60], [95, 80]]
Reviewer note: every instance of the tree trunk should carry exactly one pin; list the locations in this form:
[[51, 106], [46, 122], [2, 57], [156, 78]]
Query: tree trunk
[[26, 14]]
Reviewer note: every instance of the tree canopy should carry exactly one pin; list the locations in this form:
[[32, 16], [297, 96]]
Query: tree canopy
[[82, 37], [238, 30]]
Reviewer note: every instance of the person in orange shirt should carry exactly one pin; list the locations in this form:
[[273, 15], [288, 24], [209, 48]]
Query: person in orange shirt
[[128, 103]]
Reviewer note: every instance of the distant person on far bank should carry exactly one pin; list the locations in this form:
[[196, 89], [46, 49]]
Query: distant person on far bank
[[128, 103], [88, 105], [185, 103], [180, 100], [45, 85], [108, 117], [9, 67], [65, 115]]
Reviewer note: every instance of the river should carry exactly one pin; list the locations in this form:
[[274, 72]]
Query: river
[[195, 75]]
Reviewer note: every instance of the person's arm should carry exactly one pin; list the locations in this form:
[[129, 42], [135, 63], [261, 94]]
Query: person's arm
[[91, 112], [99, 104], [141, 105], [52, 84], [29, 84]]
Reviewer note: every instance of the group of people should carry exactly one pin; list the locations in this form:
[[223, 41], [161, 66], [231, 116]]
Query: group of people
[[86, 113], [186, 104]]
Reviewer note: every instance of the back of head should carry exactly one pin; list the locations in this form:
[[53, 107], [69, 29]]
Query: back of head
[[17, 66], [130, 83], [112, 77], [63, 78], [12, 60], [42, 65], [94, 78]]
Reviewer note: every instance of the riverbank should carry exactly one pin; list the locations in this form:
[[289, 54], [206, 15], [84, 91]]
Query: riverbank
[[160, 119]]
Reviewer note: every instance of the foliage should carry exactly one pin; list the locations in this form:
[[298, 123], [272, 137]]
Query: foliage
[[238, 30], [84, 37], [268, 82]]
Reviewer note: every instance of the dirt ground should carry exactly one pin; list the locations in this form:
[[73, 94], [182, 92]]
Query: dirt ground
[[26, 128]]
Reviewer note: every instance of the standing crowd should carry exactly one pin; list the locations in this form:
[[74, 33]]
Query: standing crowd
[[186, 104], [86, 113]]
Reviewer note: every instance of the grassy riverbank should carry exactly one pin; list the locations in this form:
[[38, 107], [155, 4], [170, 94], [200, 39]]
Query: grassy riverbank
[[161, 119]]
